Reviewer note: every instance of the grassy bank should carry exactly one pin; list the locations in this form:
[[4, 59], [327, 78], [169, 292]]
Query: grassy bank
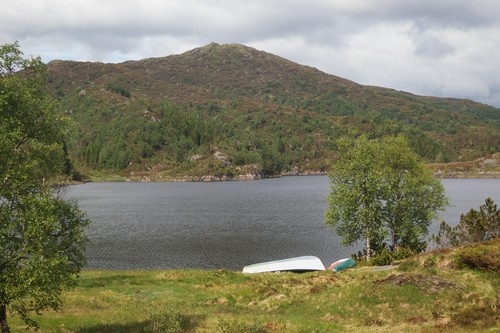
[[445, 291]]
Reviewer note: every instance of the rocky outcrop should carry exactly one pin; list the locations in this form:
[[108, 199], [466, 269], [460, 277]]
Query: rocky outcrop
[[206, 178], [295, 171], [250, 176], [222, 158], [215, 178]]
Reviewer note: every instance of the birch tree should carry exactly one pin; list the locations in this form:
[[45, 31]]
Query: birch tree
[[355, 204], [42, 238], [412, 195], [382, 193]]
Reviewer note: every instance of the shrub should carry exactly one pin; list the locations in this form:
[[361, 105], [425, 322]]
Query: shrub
[[167, 320], [386, 257], [478, 315], [119, 89], [382, 258], [484, 257], [235, 326]]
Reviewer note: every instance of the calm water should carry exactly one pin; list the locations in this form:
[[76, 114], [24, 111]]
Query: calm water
[[227, 224]]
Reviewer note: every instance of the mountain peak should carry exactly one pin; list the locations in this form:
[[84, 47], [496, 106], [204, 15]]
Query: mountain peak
[[203, 49], [221, 49]]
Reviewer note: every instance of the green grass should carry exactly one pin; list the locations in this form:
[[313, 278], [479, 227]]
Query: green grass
[[428, 293]]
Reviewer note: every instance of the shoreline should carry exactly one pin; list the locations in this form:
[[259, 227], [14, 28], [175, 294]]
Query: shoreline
[[487, 167], [254, 177]]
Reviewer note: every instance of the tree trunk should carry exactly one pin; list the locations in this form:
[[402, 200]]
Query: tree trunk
[[4, 326], [395, 244], [368, 248]]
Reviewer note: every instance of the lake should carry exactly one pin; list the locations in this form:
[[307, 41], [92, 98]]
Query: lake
[[226, 225]]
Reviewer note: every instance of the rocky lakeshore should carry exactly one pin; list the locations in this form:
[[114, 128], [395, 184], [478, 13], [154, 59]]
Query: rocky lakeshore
[[221, 178], [487, 167]]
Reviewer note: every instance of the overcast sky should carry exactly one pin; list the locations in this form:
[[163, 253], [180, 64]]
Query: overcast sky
[[428, 47]]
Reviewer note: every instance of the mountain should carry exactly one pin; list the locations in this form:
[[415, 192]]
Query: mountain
[[229, 110]]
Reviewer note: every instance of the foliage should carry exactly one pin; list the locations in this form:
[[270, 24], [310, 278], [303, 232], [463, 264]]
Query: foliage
[[411, 195], [387, 257], [475, 226], [381, 191], [30, 132], [42, 244], [235, 326], [264, 113], [109, 139], [167, 320], [119, 89], [41, 236], [354, 205], [485, 256]]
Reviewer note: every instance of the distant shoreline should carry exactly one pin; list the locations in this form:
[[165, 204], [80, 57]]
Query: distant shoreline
[[213, 178], [487, 167]]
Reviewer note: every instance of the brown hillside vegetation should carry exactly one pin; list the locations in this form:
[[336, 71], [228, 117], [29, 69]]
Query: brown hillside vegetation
[[485, 167], [264, 113]]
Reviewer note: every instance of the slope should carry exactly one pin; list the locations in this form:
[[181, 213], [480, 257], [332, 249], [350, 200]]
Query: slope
[[226, 110]]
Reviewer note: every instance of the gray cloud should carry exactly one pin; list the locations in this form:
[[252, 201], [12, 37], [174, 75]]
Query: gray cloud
[[432, 47], [428, 42]]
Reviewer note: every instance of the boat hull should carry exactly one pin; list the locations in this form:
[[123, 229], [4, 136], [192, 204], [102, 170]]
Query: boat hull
[[342, 264], [298, 264]]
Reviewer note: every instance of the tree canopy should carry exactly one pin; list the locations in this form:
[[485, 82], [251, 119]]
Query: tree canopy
[[382, 194], [475, 226], [42, 238]]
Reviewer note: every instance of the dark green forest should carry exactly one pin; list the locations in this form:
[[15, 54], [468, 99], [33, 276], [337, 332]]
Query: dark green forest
[[226, 110]]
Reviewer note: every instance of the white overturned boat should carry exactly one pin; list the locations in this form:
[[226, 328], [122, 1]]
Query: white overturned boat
[[298, 264]]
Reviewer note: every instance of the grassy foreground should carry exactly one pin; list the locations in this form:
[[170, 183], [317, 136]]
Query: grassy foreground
[[445, 291]]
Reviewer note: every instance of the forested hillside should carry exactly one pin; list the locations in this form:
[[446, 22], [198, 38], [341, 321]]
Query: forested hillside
[[229, 110]]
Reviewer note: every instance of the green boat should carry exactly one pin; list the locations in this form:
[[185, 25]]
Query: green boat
[[342, 264]]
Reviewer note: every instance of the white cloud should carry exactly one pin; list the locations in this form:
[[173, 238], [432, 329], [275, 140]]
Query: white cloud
[[430, 47]]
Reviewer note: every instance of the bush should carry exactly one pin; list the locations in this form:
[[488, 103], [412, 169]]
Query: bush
[[166, 320], [477, 315], [485, 257], [386, 257], [235, 326], [119, 89]]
